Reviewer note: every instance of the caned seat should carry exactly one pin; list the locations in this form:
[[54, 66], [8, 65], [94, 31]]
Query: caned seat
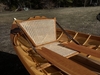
[[42, 32], [57, 48]]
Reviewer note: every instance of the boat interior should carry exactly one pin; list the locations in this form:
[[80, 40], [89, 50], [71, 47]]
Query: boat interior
[[42, 48]]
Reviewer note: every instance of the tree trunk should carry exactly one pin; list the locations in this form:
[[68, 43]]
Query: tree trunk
[[85, 1]]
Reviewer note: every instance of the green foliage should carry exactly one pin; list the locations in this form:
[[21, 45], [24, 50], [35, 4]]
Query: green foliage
[[70, 1], [13, 8]]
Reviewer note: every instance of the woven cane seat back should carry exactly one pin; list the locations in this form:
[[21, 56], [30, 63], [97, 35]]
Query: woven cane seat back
[[40, 31]]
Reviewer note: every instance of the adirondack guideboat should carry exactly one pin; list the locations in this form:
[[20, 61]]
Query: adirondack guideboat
[[45, 49]]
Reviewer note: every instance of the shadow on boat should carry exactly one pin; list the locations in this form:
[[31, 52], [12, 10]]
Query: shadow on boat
[[87, 62], [11, 65]]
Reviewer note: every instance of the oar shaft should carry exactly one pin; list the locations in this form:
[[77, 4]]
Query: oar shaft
[[69, 36], [25, 36]]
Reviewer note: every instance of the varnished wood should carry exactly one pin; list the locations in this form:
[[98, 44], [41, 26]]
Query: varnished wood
[[64, 64], [83, 49]]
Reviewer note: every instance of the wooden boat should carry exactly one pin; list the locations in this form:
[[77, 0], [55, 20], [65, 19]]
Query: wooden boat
[[46, 50]]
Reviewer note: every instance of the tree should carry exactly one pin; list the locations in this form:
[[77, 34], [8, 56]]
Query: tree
[[47, 4], [57, 3], [78, 3]]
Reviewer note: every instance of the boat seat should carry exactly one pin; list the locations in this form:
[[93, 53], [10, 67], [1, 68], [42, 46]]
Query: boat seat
[[61, 50], [42, 32]]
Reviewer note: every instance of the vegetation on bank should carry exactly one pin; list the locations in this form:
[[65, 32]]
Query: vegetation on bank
[[44, 4]]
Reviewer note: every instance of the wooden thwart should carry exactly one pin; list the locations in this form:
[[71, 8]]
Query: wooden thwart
[[83, 49], [64, 64], [43, 66]]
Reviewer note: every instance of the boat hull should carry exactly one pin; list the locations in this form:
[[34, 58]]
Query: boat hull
[[29, 58]]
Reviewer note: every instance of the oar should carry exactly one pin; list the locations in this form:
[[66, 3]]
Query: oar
[[25, 36], [69, 36]]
